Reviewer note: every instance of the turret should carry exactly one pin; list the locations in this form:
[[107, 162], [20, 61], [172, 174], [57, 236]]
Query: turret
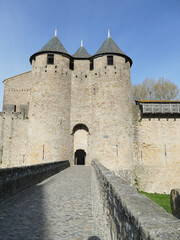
[[49, 110], [110, 47], [111, 99], [53, 46]]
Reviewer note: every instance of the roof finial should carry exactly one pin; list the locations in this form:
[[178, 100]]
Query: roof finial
[[55, 32], [109, 33], [81, 43]]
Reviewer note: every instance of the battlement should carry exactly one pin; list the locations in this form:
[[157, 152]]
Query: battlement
[[10, 110]]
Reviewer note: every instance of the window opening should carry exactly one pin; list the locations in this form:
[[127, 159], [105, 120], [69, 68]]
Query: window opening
[[109, 60], [91, 64], [50, 59], [71, 64]]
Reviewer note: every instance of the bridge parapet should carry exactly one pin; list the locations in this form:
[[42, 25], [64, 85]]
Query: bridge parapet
[[133, 215], [13, 180]]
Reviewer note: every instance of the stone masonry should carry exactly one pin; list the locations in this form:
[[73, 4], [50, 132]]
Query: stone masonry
[[65, 206], [81, 203], [156, 153], [81, 102], [133, 216], [94, 92]]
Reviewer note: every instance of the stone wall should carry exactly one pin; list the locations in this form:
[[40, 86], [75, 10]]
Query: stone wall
[[132, 215], [13, 138], [13, 180], [156, 153], [17, 90]]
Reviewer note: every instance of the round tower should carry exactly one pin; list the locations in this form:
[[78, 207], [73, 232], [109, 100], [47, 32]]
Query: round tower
[[111, 140], [49, 108]]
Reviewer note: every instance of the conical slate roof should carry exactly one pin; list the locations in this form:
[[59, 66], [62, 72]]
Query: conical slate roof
[[109, 46], [81, 53], [54, 45]]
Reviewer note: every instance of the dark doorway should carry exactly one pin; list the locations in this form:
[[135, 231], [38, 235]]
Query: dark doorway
[[80, 156]]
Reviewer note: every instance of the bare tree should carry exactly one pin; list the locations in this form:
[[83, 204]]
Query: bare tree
[[139, 92], [155, 90], [165, 90]]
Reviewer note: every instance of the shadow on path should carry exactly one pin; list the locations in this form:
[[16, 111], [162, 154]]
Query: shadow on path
[[58, 208], [21, 216]]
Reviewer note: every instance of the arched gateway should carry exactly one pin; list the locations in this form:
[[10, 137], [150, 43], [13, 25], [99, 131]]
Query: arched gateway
[[79, 157], [80, 133]]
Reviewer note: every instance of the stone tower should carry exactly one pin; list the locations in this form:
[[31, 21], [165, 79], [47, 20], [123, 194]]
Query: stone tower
[[111, 107], [49, 110], [78, 107]]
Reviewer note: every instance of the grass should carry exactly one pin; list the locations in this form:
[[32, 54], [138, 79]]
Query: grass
[[162, 200]]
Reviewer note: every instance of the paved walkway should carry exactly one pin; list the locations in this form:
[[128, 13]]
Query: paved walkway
[[64, 206]]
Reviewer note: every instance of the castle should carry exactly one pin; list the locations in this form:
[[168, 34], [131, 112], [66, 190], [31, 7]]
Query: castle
[[79, 108]]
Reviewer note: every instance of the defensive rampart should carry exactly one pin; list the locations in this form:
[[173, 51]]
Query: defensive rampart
[[133, 215], [13, 180]]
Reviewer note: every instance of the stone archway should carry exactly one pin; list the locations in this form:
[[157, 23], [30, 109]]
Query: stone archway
[[80, 126], [80, 133], [80, 156]]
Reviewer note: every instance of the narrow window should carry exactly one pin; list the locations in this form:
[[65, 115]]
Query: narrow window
[[91, 64], [109, 60], [50, 59], [71, 64]]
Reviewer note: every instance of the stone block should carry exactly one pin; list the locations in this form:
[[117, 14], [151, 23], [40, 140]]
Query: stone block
[[175, 202]]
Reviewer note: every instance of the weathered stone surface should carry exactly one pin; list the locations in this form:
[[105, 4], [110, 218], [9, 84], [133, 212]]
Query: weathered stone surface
[[58, 100], [42, 107], [13, 180], [65, 206], [17, 90], [175, 202], [156, 152], [132, 215]]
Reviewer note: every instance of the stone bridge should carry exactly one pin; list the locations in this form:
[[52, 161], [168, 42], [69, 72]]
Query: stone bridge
[[55, 202]]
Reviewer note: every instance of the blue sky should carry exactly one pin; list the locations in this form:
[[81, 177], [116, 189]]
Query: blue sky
[[148, 31]]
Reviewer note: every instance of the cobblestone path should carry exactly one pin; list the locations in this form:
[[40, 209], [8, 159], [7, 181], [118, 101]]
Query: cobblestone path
[[64, 206]]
